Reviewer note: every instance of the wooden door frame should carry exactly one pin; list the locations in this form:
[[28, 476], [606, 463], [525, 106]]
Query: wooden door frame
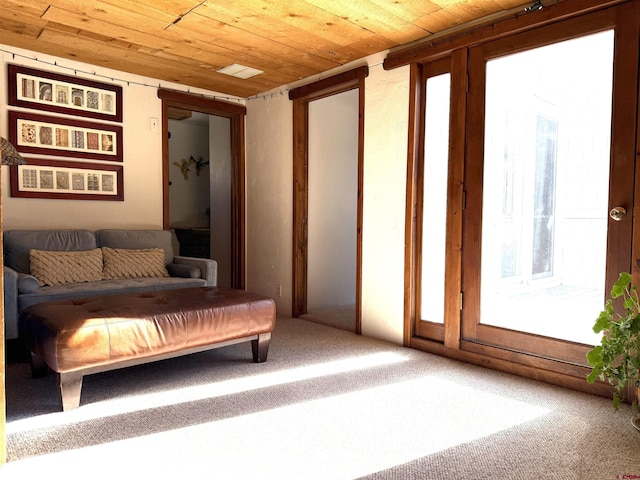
[[301, 97], [236, 114]]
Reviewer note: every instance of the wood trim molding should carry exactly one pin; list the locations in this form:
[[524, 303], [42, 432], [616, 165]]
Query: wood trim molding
[[415, 146], [524, 370], [201, 104], [336, 84], [300, 206], [301, 97], [455, 199]]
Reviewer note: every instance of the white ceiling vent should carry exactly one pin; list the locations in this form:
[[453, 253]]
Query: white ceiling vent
[[240, 71]]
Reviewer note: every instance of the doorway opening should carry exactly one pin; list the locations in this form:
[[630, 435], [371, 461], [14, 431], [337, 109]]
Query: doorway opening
[[327, 202], [210, 172]]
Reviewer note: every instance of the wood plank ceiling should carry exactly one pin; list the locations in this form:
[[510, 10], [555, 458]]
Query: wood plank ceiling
[[187, 41]]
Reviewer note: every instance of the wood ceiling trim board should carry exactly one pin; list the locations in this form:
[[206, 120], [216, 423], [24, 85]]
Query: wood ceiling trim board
[[108, 13], [510, 4], [133, 62], [272, 65], [439, 21], [308, 40], [377, 44], [254, 48], [110, 29], [263, 55], [33, 8], [364, 14], [21, 24], [468, 11], [82, 21], [136, 40], [308, 18], [268, 80], [409, 10], [163, 48], [156, 8]]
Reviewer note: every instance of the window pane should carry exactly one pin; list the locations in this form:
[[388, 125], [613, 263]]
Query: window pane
[[434, 218]]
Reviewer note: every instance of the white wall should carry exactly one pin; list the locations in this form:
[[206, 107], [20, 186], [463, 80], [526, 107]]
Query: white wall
[[270, 204], [333, 201], [142, 147], [188, 198], [385, 173], [269, 207]]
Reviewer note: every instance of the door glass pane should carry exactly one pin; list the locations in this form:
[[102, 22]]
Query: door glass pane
[[434, 218], [545, 190]]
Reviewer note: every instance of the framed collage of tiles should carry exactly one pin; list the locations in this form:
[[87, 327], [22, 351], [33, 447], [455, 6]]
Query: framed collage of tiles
[[67, 133], [43, 178]]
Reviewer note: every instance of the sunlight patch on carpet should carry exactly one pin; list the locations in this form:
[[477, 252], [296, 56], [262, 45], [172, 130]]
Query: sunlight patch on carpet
[[133, 403], [338, 437]]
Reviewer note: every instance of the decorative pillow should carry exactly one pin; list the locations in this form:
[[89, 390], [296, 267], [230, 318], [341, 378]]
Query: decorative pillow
[[128, 263], [61, 268]]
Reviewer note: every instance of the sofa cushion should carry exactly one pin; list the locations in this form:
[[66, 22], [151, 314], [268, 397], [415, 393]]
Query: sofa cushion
[[138, 239], [61, 268], [18, 243], [105, 287], [133, 263]]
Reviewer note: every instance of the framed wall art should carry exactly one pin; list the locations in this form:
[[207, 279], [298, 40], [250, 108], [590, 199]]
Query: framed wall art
[[42, 134], [41, 178], [40, 90]]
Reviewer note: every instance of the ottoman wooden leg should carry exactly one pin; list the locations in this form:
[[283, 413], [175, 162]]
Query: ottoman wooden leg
[[260, 347], [70, 388]]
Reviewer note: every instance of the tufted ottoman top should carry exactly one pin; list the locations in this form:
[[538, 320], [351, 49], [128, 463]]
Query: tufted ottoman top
[[76, 334]]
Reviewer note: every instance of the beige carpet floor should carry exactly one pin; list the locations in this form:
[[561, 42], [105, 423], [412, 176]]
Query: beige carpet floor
[[326, 405], [343, 317]]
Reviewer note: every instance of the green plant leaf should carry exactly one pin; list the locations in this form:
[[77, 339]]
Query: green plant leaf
[[620, 287], [630, 304], [593, 376], [616, 401], [603, 321], [594, 357]]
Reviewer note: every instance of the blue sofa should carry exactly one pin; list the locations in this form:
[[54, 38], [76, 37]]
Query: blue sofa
[[22, 289]]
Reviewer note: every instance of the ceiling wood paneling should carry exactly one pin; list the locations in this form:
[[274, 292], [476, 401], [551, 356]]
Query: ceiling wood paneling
[[187, 41]]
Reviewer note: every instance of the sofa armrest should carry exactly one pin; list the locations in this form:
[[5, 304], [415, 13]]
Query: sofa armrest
[[27, 283], [208, 268], [183, 270], [10, 303]]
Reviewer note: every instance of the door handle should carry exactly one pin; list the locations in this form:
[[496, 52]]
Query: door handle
[[618, 213]]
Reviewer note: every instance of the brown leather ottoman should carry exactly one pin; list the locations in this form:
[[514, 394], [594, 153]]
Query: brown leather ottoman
[[90, 335]]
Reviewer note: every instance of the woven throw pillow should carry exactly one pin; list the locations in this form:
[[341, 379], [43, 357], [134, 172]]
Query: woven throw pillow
[[61, 268], [132, 263]]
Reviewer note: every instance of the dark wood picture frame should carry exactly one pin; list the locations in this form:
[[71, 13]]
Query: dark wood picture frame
[[42, 134], [70, 95], [67, 180]]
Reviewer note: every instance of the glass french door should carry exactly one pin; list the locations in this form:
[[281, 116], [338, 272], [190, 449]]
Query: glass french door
[[549, 155]]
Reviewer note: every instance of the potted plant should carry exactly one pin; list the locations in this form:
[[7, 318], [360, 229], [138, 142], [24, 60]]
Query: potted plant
[[617, 358]]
